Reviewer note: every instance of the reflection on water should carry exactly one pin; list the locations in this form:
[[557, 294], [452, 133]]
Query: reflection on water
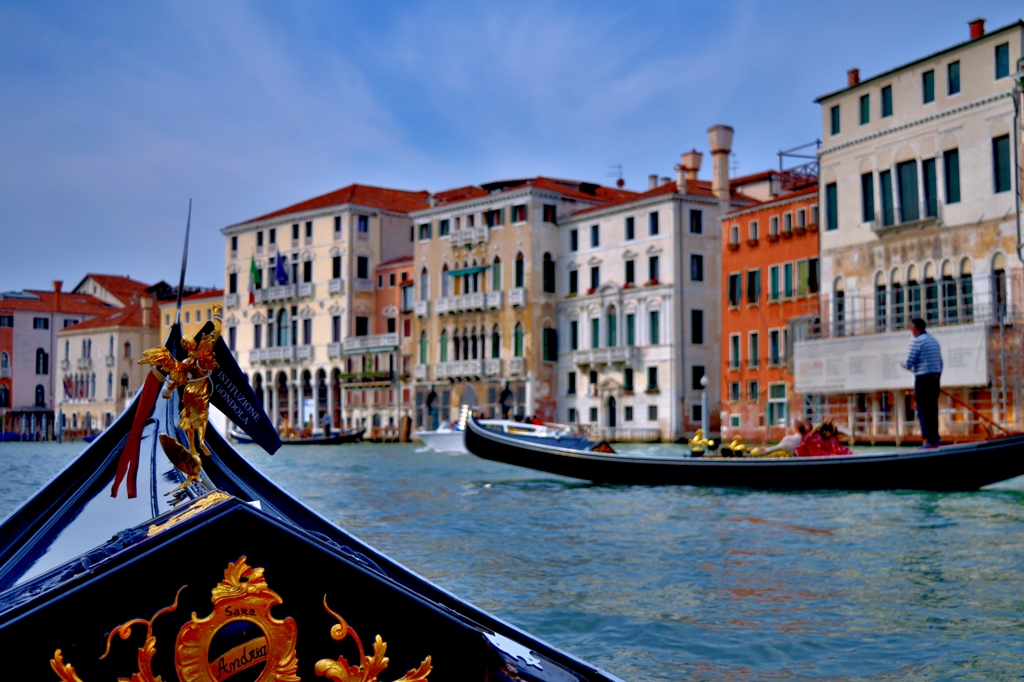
[[671, 583]]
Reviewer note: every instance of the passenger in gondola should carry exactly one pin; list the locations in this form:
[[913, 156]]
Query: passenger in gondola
[[431, 410], [505, 399], [822, 442], [326, 421], [790, 442]]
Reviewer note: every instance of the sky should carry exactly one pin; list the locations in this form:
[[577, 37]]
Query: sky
[[114, 114]]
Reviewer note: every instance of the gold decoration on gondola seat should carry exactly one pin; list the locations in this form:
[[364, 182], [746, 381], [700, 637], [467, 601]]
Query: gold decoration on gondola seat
[[699, 444], [199, 506], [369, 666]]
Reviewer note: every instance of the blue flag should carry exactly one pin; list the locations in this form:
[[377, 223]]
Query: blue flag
[[281, 272]]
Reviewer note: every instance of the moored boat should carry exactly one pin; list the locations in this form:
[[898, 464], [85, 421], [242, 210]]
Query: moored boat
[[336, 438], [966, 466], [451, 438]]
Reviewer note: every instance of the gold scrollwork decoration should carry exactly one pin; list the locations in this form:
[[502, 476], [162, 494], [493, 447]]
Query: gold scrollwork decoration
[[369, 667], [200, 505]]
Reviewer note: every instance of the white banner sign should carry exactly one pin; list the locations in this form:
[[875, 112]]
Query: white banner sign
[[861, 364]]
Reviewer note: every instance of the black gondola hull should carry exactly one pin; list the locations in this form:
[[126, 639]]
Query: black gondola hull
[[967, 466]]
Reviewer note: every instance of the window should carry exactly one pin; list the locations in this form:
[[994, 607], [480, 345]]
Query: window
[[40, 323], [571, 383], [867, 197], [519, 213], [752, 231], [572, 415], [362, 326], [834, 116], [259, 240], [42, 361], [630, 228], [931, 199], [787, 280], [520, 270], [803, 277], [41, 394], [337, 225], [734, 351], [595, 236], [951, 175], [696, 374], [778, 408], [696, 267], [425, 231], [832, 206], [7, 321], [630, 329], [574, 281], [734, 234], [309, 229], [496, 274], [307, 271], [273, 235], [734, 395], [549, 274], [627, 379], [574, 240], [336, 267], [550, 213], [773, 283], [906, 177], [881, 302], [380, 281], [335, 328], [295, 232], [627, 413], [595, 277], [888, 208], [494, 217], [232, 337], [550, 344], [953, 78], [655, 335], [234, 243], [734, 290], [801, 217], [257, 335], [233, 283], [363, 223], [517, 340], [928, 86], [814, 215], [362, 267], [5, 396], [391, 280], [753, 391], [697, 327], [128, 349], [423, 348], [442, 354], [652, 269], [753, 286], [652, 378], [696, 221], [444, 227], [754, 350], [593, 414], [773, 225], [406, 328], [696, 414], [774, 354], [595, 333], [574, 334], [611, 324], [887, 101], [1002, 60], [1001, 163], [630, 272], [865, 109], [652, 223], [652, 413]]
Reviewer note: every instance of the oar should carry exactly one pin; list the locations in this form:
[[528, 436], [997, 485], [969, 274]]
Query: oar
[[976, 413]]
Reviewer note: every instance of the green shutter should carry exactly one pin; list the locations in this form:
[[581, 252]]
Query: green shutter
[[1001, 163], [951, 161]]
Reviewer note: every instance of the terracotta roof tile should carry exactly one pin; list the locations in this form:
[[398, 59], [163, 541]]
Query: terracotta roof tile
[[397, 200], [46, 301], [395, 262], [450, 196], [129, 316], [811, 189], [700, 188], [122, 288]]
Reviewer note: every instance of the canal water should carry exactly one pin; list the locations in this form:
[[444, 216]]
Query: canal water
[[678, 583]]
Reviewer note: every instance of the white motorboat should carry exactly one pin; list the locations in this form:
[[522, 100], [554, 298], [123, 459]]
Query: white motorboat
[[452, 438]]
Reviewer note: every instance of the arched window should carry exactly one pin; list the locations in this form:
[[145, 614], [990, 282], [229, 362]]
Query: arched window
[[283, 328], [473, 281], [424, 285], [85, 352], [5, 360], [444, 281], [999, 287], [520, 270], [899, 308], [67, 350], [496, 275], [110, 352], [612, 327], [931, 294], [125, 385], [465, 345], [549, 274], [950, 312], [423, 348], [128, 349], [881, 299], [840, 307], [495, 342], [444, 345], [913, 292], [88, 348], [966, 290], [517, 349], [110, 385], [5, 396], [472, 345], [40, 396], [42, 361]]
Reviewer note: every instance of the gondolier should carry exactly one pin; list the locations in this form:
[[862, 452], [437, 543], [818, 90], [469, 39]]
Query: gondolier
[[925, 360]]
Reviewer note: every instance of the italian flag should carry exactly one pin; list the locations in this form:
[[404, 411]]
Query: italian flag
[[254, 280]]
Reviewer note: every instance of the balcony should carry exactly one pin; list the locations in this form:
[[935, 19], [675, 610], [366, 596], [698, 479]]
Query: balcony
[[516, 367], [5, 372], [306, 290], [493, 300], [111, 361], [85, 363], [470, 236], [64, 365], [517, 297], [422, 308], [492, 367], [304, 352], [459, 369], [334, 350], [231, 301], [474, 301], [377, 343], [893, 220], [277, 293], [363, 236], [280, 354], [441, 305], [336, 286], [604, 356], [419, 372], [363, 286]]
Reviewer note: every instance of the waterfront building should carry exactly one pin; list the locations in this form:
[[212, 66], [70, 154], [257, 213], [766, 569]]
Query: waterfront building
[[308, 270], [485, 290], [920, 189], [29, 348], [638, 304], [100, 363], [769, 280], [196, 311]]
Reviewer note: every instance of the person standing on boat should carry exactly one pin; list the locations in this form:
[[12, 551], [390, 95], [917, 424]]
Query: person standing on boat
[[506, 401], [431, 410], [925, 361], [327, 424]]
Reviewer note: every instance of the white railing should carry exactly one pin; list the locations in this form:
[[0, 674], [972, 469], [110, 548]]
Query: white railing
[[604, 356], [334, 349], [493, 300], [474, 301], [492, 367], [304, 352], [441, 305], [459, 368], [278, 354], [470, 236], [336, 286], [305, 290], [111, 361], [363, 286], [64, 364], [419, 372], [516, 366], [363, 236], [84, 363], [278, 293], [231, 300], [377, 342], [517, 297], [422, 308]]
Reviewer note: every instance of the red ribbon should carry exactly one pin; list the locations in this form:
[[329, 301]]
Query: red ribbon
[[129, 462]]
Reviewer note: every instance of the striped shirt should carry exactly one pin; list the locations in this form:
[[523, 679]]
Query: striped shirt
[[924, 357]]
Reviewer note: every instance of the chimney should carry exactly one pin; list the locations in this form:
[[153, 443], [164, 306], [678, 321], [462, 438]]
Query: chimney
[[977, 28], [665, 180], [720, 141], [687, 170], [147, 309], [57, 285], [652, 181], [852, 77], [433, 201]]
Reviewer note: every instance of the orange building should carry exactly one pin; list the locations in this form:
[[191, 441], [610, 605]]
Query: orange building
[[769, 281]]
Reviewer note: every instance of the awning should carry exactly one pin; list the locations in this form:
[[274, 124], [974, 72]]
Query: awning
[[467, 271]]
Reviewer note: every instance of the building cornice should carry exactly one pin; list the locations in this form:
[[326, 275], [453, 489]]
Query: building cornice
[[938, 115], [491, 200], [606, 211], [768, 205], [277, 221]]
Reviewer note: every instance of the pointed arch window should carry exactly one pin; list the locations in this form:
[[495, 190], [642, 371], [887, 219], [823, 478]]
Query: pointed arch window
[[496, 275], [840, 307], [495, 342], [42, 361], [950, 313], [999, 293], [423, 348], [549, 274], [40, 396], [128, 349], [899, 301], [966, 290], [520, 270], [881, 300], [444, 282], [5, 396], [517, 349], [424, 285], [444, 345], [283, 328], [110, 385], [5, 360]]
